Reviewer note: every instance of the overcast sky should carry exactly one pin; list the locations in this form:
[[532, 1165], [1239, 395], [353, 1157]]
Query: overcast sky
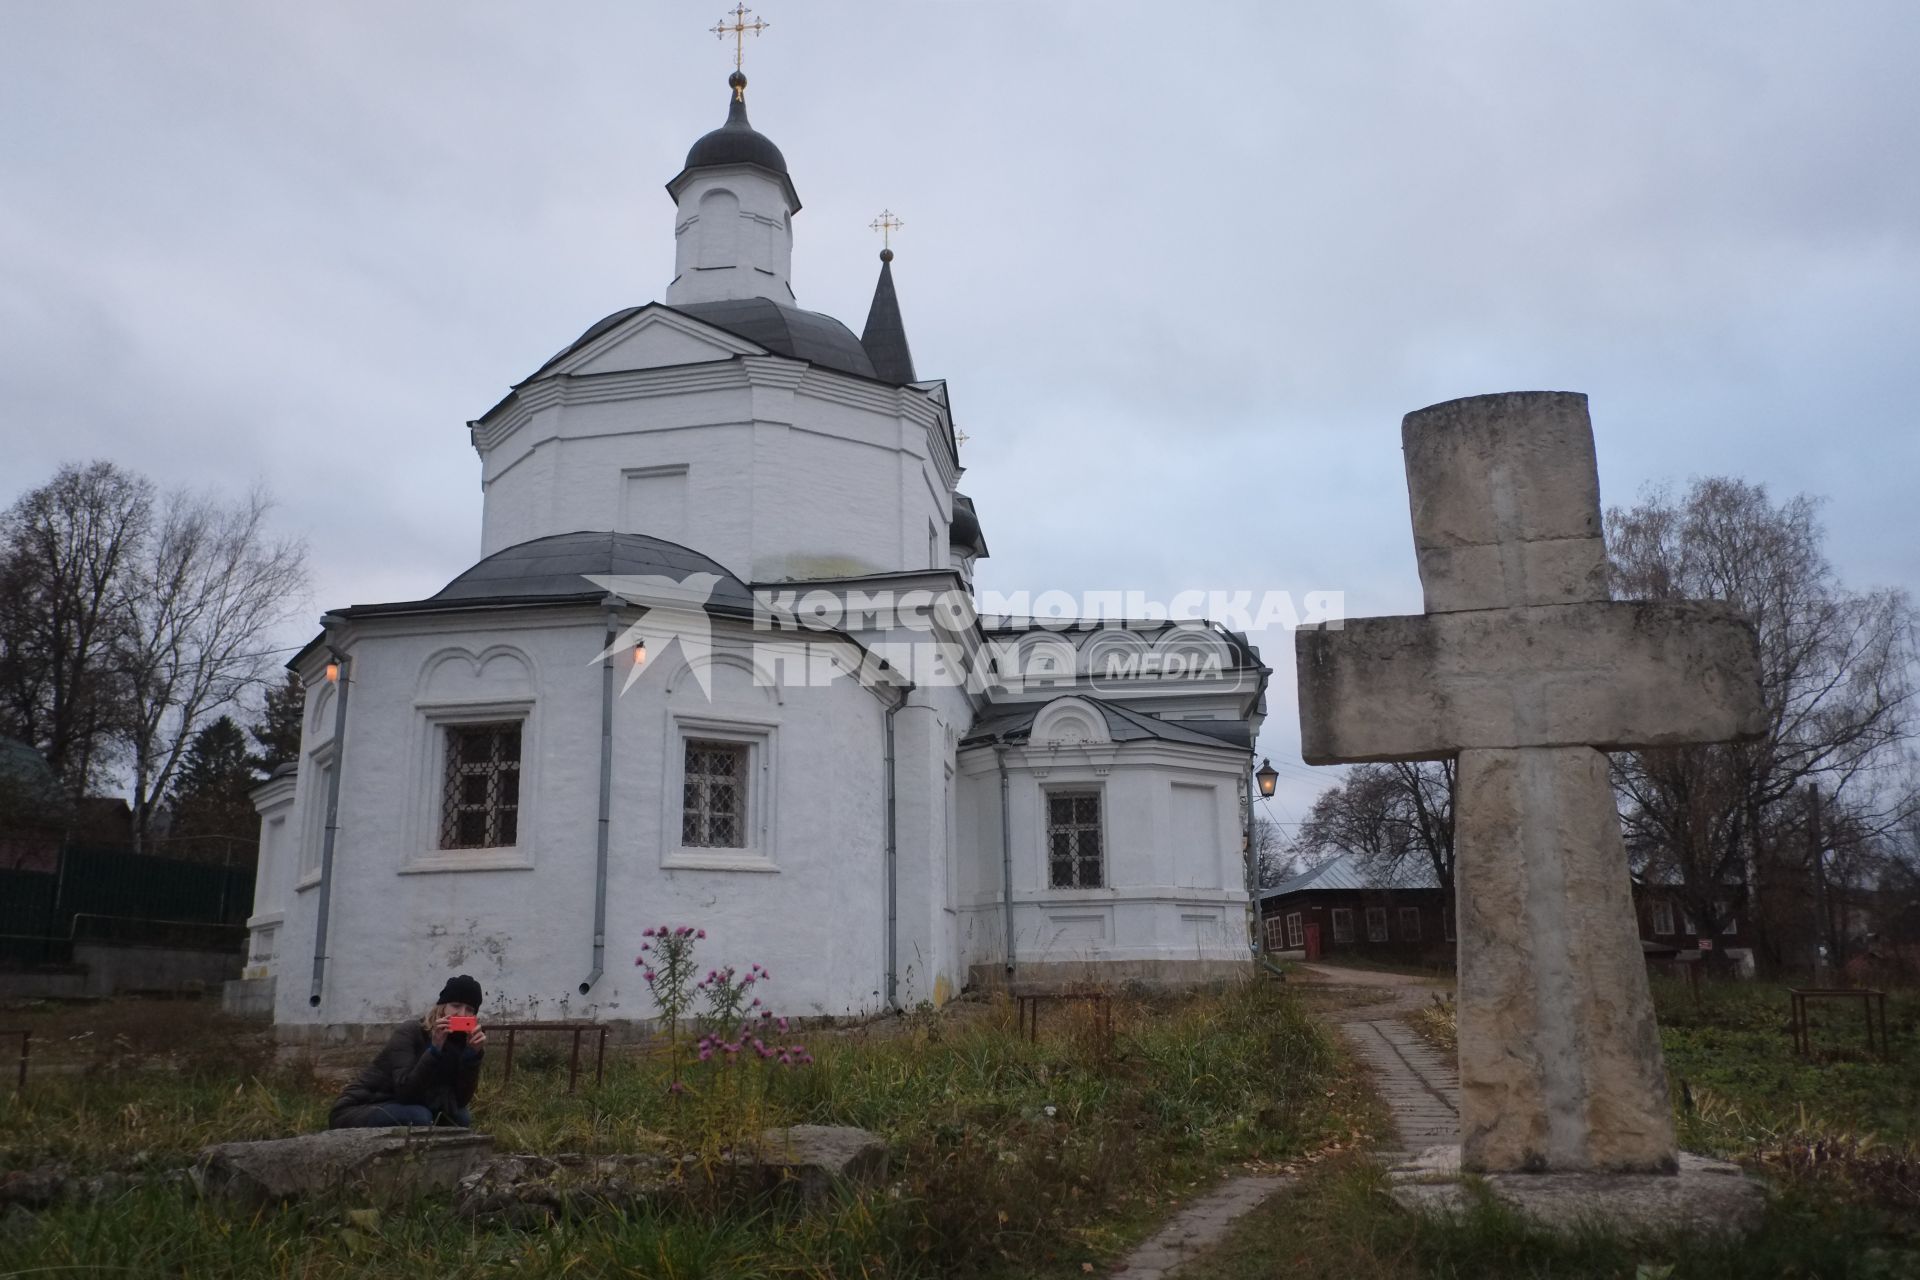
[[1183, 268]]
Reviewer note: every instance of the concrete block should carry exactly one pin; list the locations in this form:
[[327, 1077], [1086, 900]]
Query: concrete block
[[1616, 676], [1702, 1196], [1560, 1063], [810, 1160], [385, 1166], [247, 997], [1505, 497]]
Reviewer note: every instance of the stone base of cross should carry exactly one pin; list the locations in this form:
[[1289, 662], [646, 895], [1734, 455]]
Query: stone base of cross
[[1527, 672]]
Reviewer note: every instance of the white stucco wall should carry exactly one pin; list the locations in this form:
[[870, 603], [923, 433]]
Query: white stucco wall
[[732, 238], [785, 470], [406, 914], [1174, 880]]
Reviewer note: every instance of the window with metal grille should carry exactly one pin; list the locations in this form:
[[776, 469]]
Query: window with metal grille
[[1073, 840], [481, 808], [713, 812]]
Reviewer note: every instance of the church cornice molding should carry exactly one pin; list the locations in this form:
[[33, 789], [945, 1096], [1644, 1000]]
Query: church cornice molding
[[738, 373]]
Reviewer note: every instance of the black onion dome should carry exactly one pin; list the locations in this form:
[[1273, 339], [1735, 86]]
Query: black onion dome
[[737, 142]]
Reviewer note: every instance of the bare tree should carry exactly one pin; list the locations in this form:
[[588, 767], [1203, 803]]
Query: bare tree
[[1836, 680], [1387, 816], [208, 592], [1272, 852], [65, 548]]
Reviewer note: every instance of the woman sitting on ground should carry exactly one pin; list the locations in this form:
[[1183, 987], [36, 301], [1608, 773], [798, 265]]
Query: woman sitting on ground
[[427, 1073]]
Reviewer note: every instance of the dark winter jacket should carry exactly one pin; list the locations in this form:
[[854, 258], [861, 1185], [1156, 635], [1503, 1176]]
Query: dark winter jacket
[[411, 1070]]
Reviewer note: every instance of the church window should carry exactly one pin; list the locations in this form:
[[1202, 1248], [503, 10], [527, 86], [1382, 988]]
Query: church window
[[314, 833], [1073, 840], [1376, 924], [714, 795], [481, 805], [1343, 924], [718, 230]]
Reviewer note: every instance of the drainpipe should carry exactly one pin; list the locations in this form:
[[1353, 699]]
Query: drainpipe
[[606, 804], [893, 859], [333, 825], [1006, 850]]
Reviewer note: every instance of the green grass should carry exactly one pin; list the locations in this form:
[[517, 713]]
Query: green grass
[[1010, 1158], [1338, 1223], [1737, 1048]]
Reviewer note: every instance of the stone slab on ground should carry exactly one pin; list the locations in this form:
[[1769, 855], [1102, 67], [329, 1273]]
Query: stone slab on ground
[[531, 1191], [811, 1159], [1705, 1196], [387, 1166], [805, 1161], [1199, 1226]]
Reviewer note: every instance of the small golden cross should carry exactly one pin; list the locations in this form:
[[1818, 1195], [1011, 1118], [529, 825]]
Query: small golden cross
[[886, 224], [961, 437], [739, 31]]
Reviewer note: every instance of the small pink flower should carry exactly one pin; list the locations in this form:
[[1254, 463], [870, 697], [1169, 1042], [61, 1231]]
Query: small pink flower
[[785, 1061], [768, 1013], [782, 1024], [648, 975], [700, 933], [806, 1059], [706, 1051], [676, 1087]]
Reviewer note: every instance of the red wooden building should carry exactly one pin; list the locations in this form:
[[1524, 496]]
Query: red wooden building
[[1402, 916]]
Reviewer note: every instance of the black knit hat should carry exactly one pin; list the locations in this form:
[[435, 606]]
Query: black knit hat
[[460, 990]]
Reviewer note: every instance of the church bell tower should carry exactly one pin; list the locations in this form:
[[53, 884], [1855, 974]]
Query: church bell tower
[[733, 221]]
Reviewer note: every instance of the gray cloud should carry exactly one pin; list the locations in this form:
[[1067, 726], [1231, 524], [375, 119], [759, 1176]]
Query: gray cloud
[[1185, 275]]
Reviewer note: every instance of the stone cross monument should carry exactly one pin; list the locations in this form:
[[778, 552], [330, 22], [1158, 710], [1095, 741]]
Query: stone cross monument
[[1526, 670]]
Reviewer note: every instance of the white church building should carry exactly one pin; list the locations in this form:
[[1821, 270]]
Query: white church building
[[719, 665]]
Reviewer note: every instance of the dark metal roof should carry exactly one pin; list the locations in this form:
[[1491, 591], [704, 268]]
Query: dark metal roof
[[964, 529], [785, 331], [736, 142], [1345, 873], [788, 331], [556, 569], [885, 336], [1123, 724]]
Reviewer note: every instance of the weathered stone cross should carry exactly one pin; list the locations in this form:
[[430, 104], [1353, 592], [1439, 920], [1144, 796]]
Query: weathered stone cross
[[1524, 669]]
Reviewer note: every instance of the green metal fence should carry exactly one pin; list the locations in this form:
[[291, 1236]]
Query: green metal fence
[[113, 895]]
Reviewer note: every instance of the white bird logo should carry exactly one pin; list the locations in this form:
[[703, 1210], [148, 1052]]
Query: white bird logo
[[676, 610]]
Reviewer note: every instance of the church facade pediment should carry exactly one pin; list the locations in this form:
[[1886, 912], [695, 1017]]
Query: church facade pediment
[[655, 337]]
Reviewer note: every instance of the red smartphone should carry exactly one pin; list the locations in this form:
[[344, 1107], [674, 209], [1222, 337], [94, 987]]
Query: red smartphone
[[464, 1024]]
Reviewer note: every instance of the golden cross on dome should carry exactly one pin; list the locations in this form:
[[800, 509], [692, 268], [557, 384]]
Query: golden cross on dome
[[739, 30], [886, 224]]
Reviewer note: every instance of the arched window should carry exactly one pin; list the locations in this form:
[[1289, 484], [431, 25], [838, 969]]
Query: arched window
[[718, 230]]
